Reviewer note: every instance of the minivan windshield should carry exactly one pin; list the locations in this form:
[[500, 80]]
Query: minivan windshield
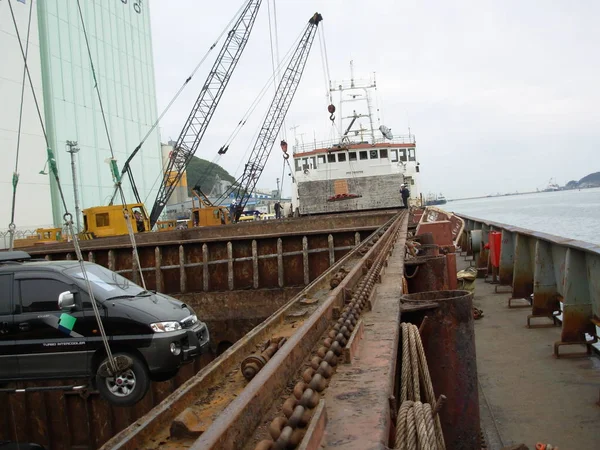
[[105, 283]]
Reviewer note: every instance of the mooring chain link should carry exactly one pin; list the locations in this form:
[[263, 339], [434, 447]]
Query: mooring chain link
[[287, 431]]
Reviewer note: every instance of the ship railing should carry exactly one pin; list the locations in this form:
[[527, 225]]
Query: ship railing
[[317, 145], [558, 277]]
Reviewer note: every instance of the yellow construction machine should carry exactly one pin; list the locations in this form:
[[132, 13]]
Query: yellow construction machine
[[105, 221]]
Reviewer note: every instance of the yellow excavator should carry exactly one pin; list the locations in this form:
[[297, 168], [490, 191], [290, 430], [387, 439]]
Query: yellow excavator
[[106, 221]]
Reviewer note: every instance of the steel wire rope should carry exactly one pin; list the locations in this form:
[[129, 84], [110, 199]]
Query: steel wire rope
[[182, 87], [15, 178], [418, 425], [260, 96], [250, 111], [283, 130], [275, 81], [118, 183], [68, 218]]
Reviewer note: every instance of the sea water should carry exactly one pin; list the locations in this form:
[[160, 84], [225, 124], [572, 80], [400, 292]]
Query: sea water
[[573, 214]]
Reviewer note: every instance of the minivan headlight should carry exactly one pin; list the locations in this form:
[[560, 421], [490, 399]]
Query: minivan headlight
[[163, 327]]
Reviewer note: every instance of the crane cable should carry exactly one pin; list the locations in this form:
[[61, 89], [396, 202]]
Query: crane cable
[[257, 100], [112, 154], [15, 179], [187, 80], [68, 217]]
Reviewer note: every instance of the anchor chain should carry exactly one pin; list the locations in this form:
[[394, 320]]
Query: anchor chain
[[287, 431]]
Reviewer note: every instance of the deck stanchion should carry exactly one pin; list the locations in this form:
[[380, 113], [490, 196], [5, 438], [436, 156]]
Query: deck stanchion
[[523, 270], [546, 296]]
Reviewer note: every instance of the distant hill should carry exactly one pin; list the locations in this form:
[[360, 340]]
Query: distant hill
[[205, 174], [592, 178]]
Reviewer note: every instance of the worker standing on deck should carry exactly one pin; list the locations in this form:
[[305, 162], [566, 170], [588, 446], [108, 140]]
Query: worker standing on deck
[[405, 193], [277, 207], [232, 209]]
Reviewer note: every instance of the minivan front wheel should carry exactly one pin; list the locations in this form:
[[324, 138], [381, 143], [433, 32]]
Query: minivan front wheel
[[128, 387]]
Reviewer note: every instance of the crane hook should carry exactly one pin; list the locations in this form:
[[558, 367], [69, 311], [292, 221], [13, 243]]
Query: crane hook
[[331, 109]]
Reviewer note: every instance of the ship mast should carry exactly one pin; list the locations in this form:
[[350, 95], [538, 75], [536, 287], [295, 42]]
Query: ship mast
[[355, 85]]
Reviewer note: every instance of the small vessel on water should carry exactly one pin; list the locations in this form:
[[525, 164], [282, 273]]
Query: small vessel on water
[[434, 200], [552, 186], [362, 169]]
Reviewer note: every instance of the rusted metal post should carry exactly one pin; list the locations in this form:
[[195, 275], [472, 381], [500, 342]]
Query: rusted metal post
[[182, 274], [331, 250], [577, 307], [305, 260], [254, 264], [523, 268], [280, 262], [111, 260], [230, 265], [157, 269], [507, 259], [426, 273], [546, 297], [451, 269], [205, 268], [453, 366]]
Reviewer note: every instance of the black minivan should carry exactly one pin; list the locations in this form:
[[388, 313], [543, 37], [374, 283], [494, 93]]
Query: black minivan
[[48, 329]]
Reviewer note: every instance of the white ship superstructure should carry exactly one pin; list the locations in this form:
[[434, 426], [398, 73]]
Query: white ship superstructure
[[361, 170]]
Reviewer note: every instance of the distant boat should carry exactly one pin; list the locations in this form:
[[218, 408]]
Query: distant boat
[[552, 186], [433, 200]]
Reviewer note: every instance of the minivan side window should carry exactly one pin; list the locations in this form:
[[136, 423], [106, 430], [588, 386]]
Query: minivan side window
[[41, 295], [5, 295]]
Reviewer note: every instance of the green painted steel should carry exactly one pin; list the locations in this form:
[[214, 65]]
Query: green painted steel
[[121, 47]]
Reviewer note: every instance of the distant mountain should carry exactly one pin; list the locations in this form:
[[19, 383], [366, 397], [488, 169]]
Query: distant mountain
[[204, 173], [592, 178]]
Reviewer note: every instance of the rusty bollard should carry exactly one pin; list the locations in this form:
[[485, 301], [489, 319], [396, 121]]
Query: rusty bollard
[[252, 364], [452, 364]]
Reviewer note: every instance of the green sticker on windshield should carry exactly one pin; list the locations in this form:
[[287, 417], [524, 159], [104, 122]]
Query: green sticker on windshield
[[66, 322]]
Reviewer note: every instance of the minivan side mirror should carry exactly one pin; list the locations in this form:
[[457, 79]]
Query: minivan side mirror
[[66, 300]]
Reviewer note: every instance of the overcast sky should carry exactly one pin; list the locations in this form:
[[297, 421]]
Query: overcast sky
[[501, 95]]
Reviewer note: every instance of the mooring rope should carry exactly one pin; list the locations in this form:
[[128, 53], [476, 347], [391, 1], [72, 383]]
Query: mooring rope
[[418, 426]]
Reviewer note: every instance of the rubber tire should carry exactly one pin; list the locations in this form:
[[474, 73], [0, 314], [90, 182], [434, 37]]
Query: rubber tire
[[142, 384], [163, 376]]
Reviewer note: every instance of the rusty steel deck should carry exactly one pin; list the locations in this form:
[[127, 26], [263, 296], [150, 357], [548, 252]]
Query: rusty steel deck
[[234, 276], [219, 408]]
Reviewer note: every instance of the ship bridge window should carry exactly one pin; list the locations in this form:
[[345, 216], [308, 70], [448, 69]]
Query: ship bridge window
[[321, 159], [363, 155], [394, 155], [341, 157], [383, 153], [402, 154], [351, 156], [298, 165], [374, 154], [411, 154], [313, 162], [331, 157]]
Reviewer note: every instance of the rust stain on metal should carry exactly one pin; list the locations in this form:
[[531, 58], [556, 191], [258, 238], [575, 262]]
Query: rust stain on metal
[[352, 345], [451, 359]]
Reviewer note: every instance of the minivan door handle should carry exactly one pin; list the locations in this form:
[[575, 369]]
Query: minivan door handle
[[24, 326]]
